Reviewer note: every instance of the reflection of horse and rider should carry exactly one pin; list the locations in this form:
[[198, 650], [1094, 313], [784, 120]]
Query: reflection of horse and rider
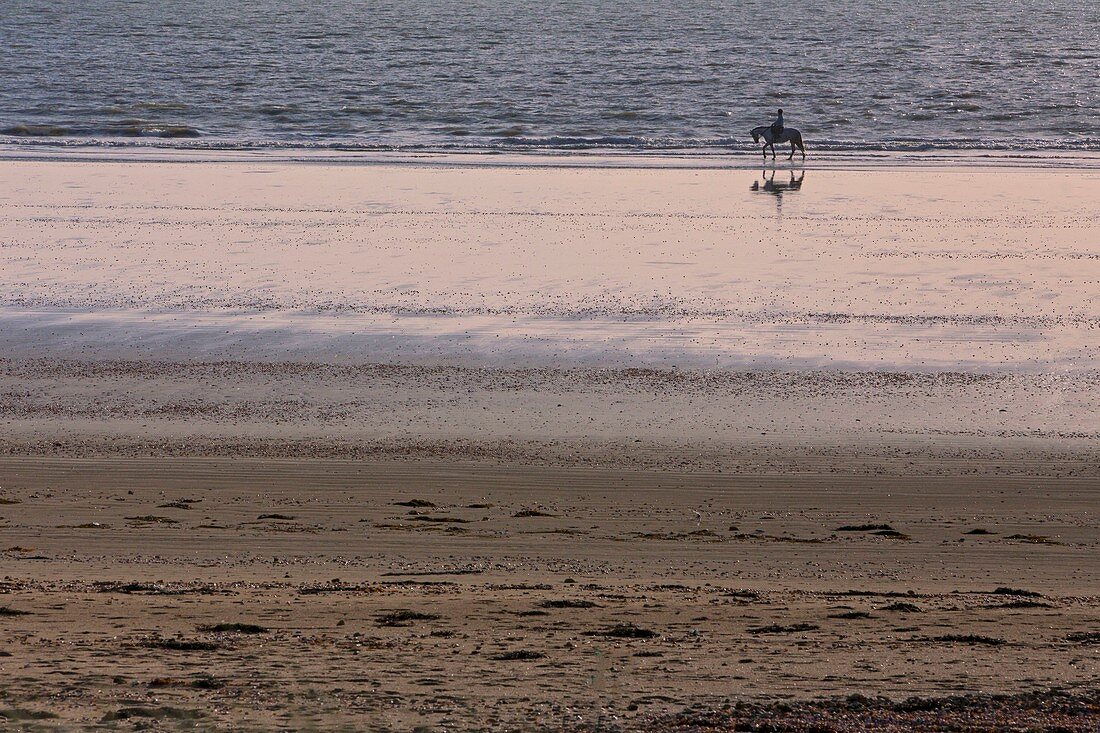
[[777, 133], [778, 189]]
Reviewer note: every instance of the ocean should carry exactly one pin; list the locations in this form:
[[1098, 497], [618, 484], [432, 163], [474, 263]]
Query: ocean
[[487, 74]]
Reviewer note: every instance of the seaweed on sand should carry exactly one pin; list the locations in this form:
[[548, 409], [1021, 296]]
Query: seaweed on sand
[[518, 655], [22, 714], [531, 513], [159, 713], [902, 607], [1020, 604], [180, 645], [152, 519], [235, 628], [1005, 591], [1033, 539], [1055, 710], [892, 533], [624, 631], [864, 528], [403, 617], [972, 639], [781, 629]]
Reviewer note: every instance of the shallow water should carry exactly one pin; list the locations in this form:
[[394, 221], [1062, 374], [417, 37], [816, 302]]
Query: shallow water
[[562, 73]]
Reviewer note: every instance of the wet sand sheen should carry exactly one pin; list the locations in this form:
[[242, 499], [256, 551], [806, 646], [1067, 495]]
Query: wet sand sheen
[[448, 261]]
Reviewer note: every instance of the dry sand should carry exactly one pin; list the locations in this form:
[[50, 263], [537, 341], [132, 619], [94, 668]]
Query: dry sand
[[670, 442], [745, 588]]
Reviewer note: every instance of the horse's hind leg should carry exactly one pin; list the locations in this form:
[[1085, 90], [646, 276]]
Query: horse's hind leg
[[791, 156]]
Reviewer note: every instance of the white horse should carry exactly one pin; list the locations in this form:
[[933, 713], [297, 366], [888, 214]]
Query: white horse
[[789, 135]]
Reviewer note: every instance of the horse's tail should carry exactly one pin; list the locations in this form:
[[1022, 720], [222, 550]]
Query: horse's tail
[[755, 135], [798, 141]]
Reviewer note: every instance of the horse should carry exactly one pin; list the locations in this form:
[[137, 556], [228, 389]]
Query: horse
[[789, 135]]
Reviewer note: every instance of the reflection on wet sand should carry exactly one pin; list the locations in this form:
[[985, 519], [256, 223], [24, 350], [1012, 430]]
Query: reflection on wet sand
[[768, 185]]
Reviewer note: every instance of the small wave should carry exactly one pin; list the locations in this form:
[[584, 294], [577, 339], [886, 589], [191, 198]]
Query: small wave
[[370, 111], [123, 128], [508, 132], [140, 128], [277, 110], [565, 142], [34, 131], [162, 106]]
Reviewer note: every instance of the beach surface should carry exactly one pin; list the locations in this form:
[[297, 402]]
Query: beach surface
[[548, 442]]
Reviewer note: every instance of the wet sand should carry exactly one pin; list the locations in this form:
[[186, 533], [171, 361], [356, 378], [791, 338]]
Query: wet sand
[[455, 261], [625, 439]]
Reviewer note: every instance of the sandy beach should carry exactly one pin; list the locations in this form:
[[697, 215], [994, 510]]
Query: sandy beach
[[575, 442]]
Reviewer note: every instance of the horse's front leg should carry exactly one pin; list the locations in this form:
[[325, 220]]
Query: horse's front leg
[[773, 150], [764, 151]]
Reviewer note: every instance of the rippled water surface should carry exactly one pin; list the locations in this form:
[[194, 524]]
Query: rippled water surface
[[556, 73]]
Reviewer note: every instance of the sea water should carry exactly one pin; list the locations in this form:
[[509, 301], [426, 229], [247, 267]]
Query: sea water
[[490, 74]]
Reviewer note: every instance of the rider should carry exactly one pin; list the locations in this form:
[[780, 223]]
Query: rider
[[777, 126]]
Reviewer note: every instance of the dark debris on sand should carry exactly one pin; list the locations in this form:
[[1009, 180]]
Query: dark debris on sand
[[233, 628], [180, 645], [1053, 711], [153, 713], [16, 715], [851, 615], [158, 589], [624, 631], [522, 655], [865, 528], [902, 607], [781, 629], [531, 513], [1020, 604], [569, 603], [971, 639], [403, 617], [1005, 591]]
